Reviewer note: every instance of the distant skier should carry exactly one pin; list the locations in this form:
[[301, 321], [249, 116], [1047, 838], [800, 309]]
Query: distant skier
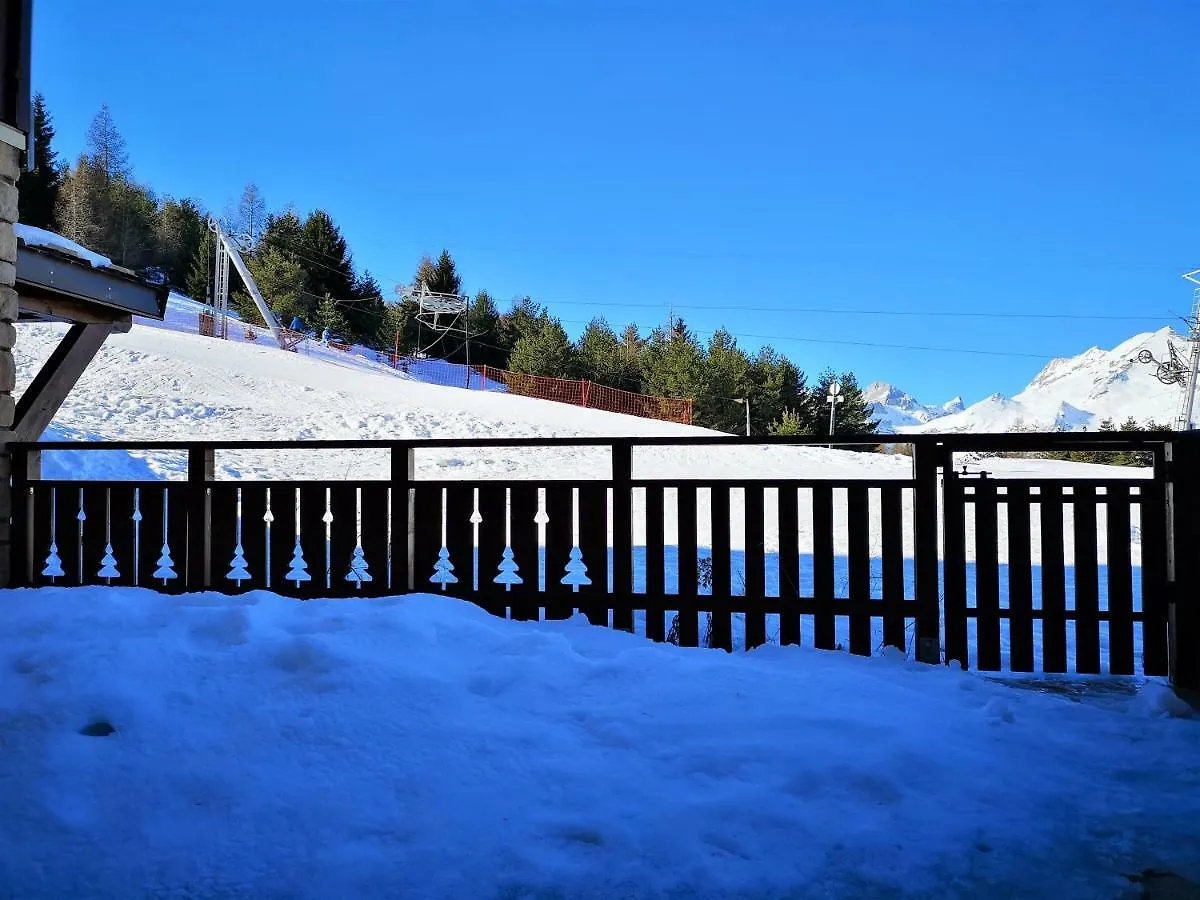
[[325, 336], [297, 324]]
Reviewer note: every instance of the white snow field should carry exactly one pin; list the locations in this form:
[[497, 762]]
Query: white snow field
[[418, 748]]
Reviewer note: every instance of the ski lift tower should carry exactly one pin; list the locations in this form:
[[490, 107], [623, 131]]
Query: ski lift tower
[[228, 250], [441, 313], [1187, 402]]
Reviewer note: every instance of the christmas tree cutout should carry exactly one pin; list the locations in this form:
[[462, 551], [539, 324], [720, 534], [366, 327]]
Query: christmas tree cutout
[[358, 568], [508, 571], [576, 571], [165, 571], [108, 565], [299, 568], [443, 570], [237, 566], [54, 567]]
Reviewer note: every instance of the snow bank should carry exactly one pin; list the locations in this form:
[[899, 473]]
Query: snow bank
[[417, 747], [39, 237]]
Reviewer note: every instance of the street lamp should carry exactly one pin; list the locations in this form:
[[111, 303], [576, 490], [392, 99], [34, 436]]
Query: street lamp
[[744, 401], [833, 399]]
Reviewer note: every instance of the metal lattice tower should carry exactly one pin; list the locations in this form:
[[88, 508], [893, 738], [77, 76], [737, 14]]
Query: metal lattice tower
[[1183, 421]]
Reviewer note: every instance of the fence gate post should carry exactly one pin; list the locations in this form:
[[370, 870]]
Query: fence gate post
[[622, 516], [926, 460], [200, 471], [1183, 566]]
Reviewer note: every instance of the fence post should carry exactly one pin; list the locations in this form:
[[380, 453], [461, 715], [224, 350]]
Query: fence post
[[200, 471], [926, 458], [403, 473], [622, 514], [21, 533], [586, 392], [1183, 568]]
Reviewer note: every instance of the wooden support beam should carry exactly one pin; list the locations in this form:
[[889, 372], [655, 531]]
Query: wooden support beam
[[57, 377], [64, 309]]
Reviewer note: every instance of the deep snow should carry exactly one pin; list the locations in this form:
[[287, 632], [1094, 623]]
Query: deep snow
[[418, 747]]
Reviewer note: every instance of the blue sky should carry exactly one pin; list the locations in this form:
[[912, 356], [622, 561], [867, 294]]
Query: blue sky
[[777, 168]]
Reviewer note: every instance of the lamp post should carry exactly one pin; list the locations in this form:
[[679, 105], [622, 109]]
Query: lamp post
[[744, 401], [833, 399]]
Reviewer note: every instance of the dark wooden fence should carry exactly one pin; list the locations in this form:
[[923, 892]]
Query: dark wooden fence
[[1115, 589]]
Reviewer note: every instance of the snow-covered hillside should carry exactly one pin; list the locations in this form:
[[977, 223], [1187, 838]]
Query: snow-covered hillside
[[1071, 393]]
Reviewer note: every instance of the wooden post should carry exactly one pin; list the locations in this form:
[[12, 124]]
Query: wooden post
[[1183, 565], [926, 460], [622, 516], [403, 474], [200, 472]]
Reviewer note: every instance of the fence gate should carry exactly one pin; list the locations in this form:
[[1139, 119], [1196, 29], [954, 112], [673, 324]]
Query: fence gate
[[1075, 567]]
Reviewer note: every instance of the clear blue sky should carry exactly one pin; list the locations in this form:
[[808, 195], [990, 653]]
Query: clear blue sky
[[1012, 157]]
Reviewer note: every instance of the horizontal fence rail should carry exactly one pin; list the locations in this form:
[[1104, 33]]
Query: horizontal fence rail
[[1057, 575]]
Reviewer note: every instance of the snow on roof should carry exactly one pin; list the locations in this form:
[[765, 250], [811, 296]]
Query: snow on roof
[[40, 237]]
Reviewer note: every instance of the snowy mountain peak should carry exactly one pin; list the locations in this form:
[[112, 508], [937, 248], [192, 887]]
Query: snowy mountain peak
[[953, 406], [896, 409]]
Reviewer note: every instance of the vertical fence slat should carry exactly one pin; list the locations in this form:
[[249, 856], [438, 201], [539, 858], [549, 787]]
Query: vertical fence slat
[[858, 526], [622, 531], [312, 538], [283, 533], [223, 522], [756, 563], [460, 544], [67, 533], [954, 568], [789, 564], [559, 542], [656, 589], [254, 533], [593, 545], [689, 627], [373, 506], [721, 634], [121, 529], [343, 537], [1054, 602], [1155, 658], [427, 537], [1120, 581], [522, 522], [891, 514], [824, 631], [42, 526], [1020, 581], [404, 571], [987, 577], [95, 507], [176, 497], [1087, 591], [493, 511], [151, 536]]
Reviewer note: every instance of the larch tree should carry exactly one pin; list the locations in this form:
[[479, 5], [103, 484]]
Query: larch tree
[[76, 206]]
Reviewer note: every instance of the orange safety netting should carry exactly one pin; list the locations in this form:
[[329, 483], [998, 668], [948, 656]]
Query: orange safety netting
[[561, 390]]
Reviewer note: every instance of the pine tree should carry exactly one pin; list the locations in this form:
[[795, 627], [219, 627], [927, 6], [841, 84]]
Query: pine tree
[[237, 566], [508, 571], [600, 357], [76, 208], [483, 324], [38, 187], [367, 310], [526, 317], [548, 352], [106, 148], [329, 316], [777, 386], [726, 376], [853, 414], [789, 424], [440, 277], [198, 282], [179, 232], [673, 363], [281, 281], [325, 258], [577, 574]]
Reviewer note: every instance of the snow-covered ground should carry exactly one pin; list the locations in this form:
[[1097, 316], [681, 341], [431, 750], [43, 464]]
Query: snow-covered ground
[[419, 748], [1071, 393]]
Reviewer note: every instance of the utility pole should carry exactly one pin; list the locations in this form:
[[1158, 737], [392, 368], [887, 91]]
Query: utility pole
[[833, 399]]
